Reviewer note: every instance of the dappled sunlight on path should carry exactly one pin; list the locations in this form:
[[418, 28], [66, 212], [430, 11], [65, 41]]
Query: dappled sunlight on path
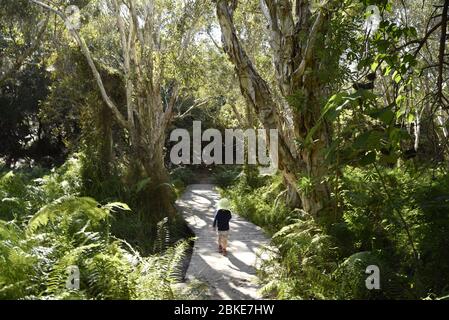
[[230, 277]]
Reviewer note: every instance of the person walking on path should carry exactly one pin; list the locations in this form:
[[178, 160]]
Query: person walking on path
[[221, 222]]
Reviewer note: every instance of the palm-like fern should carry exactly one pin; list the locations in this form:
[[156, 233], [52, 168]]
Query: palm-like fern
[[160, 272], [74, 231], [304, 264]]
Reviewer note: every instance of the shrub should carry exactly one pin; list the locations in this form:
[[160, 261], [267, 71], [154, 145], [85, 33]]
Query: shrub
[[75, 231], [393, 218], [224, 176]]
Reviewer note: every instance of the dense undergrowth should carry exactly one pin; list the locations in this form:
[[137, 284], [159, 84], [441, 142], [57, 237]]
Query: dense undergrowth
[[393, 218], [48, 223]]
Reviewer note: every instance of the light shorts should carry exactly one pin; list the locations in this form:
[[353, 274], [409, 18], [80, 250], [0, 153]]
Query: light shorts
[[223, 235]]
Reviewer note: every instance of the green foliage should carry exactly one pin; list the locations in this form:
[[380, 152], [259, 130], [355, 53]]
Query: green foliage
[[261, 203], [385, 212], [303, 264], [54, 228], [305, 184], [24, 192], [35, 262], [225, 177], [181, 177], [351, 276], [24, 83], [372, 218], [327, 260], [64, 208]]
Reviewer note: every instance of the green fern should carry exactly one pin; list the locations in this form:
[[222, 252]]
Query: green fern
[[64, 208]]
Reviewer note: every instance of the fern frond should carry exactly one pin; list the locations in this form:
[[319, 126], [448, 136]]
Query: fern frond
[[65, 206]]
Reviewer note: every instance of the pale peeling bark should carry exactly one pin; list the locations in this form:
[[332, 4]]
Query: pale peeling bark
[[87, 54], [442, 132], [291, 59], [281, 27], [127, 49], [147, 116], [255, 90]]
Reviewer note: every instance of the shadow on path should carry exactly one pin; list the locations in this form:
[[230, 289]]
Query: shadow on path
[[231, 277]]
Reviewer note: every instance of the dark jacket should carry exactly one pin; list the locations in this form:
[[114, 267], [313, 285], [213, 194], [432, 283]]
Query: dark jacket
[[221, 220]]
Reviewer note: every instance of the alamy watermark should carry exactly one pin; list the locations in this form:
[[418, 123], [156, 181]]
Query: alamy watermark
[[373, 280], [373, 19], [73, 16], [73, 278], [227, 150]]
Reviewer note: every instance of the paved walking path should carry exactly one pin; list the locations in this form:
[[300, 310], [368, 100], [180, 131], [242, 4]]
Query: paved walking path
[[230, 277]]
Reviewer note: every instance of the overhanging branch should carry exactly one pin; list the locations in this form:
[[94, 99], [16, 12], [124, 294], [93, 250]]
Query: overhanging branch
[[87, 54]]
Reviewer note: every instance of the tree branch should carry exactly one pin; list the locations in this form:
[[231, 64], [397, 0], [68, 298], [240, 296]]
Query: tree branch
[[195, 105], [255, 89], [28, 52], [441, 50], [87, 54], [171, 103], [127, 50], [310, 46]]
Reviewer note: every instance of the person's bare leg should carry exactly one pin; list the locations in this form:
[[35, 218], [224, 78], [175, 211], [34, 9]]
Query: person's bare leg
[[220, 247], [225, 245]]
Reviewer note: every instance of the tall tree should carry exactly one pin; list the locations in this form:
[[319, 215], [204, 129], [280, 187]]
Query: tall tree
[[20, 36], [298, 36], [153, 37]]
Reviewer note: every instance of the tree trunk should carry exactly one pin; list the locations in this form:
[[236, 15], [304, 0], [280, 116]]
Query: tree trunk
[[147, 142], [147, 116], [307, 160], [106, 153]]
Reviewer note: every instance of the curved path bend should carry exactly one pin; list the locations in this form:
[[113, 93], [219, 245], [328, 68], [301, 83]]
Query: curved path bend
[[230, 277]]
